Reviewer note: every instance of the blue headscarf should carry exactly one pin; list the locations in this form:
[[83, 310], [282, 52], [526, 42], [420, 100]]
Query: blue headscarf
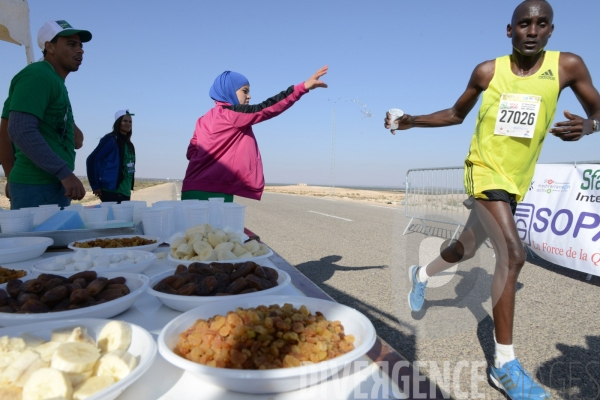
[[226, 85]]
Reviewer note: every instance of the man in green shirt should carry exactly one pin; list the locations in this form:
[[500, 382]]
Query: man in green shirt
[[40, 122]]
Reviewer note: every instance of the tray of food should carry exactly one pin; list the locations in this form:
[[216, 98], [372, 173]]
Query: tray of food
[[267, 344], [41, 297], [203, 243], [112, 244], [94, 259], [199, 284], [61, 239], [89, 359]]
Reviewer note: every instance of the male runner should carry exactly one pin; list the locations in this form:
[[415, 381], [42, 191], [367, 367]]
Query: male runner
[[520, 92]]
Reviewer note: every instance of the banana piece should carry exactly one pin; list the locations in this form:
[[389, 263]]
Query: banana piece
[[47, 383], [11, 393], [32, 340], [37, 364], [92, 386], [233, 237], [80, 335], [262, 250], [245, 255], [238, 250], [203, 250], [62, 334], [116, 335], [215, 238], [252, 246], [46, 350], [184, 250], [10, 345], [224, 255], [77, 378], [224, 246], [116, 364], [75, 357], [178, 241], [13, 372]]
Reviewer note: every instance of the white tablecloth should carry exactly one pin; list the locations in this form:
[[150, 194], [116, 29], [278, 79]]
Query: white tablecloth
[[165, 381]]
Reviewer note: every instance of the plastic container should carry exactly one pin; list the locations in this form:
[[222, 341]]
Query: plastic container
[[95, 214], [271, 380], [196, 214], [158, 221], [61, 221], [233, 217], [123, 211], [395, 113], [216, 211], [38, 215], [15, 221]]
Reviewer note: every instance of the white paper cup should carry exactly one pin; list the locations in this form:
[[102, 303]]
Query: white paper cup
[[233, 217], [123, 211], [395, 113], [197, 214], [15, 221], [94, 214]]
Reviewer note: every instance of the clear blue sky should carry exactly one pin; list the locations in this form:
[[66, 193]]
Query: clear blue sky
[[159, 59]]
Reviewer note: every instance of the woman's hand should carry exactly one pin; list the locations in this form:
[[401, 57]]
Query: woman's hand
[[98, 193], [314, 82]]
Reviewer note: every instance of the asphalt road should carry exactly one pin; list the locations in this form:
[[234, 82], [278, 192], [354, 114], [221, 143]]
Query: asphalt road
[[357, 254]]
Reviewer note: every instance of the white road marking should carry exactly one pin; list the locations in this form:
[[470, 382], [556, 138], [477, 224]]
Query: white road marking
[[389, 208], [332, 216]]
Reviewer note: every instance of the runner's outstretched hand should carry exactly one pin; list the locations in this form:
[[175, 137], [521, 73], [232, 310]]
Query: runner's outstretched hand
[[314, 82], [573, 129], [405, 122]]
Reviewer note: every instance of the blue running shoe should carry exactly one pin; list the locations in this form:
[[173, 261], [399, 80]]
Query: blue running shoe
[[416, 297], [516, 382]]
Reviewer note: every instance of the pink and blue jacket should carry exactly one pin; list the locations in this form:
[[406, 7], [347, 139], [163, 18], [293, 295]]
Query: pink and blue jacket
[[223, 154]]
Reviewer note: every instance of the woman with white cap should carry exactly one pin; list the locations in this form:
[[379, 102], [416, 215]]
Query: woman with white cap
[[111, 166]]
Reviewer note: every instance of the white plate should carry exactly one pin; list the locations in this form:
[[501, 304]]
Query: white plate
[[143, 347], [137, 284], [274, 380], [17, 249], [188, 262], [147, 247], [42, 266], [186, 303]]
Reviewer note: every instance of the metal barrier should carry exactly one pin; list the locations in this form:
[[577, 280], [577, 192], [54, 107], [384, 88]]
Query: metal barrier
[[436, 195]]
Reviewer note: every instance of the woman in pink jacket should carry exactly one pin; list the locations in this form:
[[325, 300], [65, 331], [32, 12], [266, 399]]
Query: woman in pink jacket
[[223, 155]]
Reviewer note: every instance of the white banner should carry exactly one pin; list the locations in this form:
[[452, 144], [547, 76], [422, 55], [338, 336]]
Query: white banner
[[559, 218]]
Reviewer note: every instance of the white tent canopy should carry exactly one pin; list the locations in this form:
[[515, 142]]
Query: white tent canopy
[[14, 25]]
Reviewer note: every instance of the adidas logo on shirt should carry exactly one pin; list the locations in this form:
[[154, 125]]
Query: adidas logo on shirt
[[548, 75]]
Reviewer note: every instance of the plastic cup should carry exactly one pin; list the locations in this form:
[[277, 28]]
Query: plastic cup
[[15, 221], [38, 215], [158, 221], [216, 211], [395, 113], [197, 214], [123, 211], [94, 214], [233, 217]]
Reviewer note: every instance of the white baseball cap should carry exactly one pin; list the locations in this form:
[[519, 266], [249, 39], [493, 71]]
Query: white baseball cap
[[51, 29], [120, 113]]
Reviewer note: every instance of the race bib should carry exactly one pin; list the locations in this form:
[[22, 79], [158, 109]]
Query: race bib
[[517, 115]]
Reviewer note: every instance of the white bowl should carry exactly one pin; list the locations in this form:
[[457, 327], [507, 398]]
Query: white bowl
[[186, 303], [241, 260], [143, 347], [147, 247], [149, 258], [137, 284], [17, 249], [273, 380]]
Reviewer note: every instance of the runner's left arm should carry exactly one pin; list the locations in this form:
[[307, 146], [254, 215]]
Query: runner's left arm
[[574, 74]]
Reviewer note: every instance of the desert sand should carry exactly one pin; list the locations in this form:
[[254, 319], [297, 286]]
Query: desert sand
[[361, 195]]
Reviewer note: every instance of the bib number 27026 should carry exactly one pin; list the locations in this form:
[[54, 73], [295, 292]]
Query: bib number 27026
[[517, 115]]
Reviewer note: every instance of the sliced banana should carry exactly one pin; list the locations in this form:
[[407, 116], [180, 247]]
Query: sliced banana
[[245, 255], [116, 335], [224, 246], [47, 350], [177, 242], [238, 249], [75, 357], [62, 334], [116, 364], [224, 255], [252, 246], [262, 250], [11, 393], [32, 340], [214, 239], [80, 334], [77, 378], [92, 386], [13, 372], [47, 383], [9, 345], [184, 250], [203, 250], [37, 364]]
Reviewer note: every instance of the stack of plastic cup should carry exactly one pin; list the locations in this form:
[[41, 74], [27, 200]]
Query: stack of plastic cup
[[216, 211], [94, 214], [123, 211], [49, 210], [138, 206], [15, 221], [38, 215], [158, 221], [233, 217], [196, 214]]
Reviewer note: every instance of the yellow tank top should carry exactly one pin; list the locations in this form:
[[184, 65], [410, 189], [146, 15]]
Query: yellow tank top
[[506, 162]]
